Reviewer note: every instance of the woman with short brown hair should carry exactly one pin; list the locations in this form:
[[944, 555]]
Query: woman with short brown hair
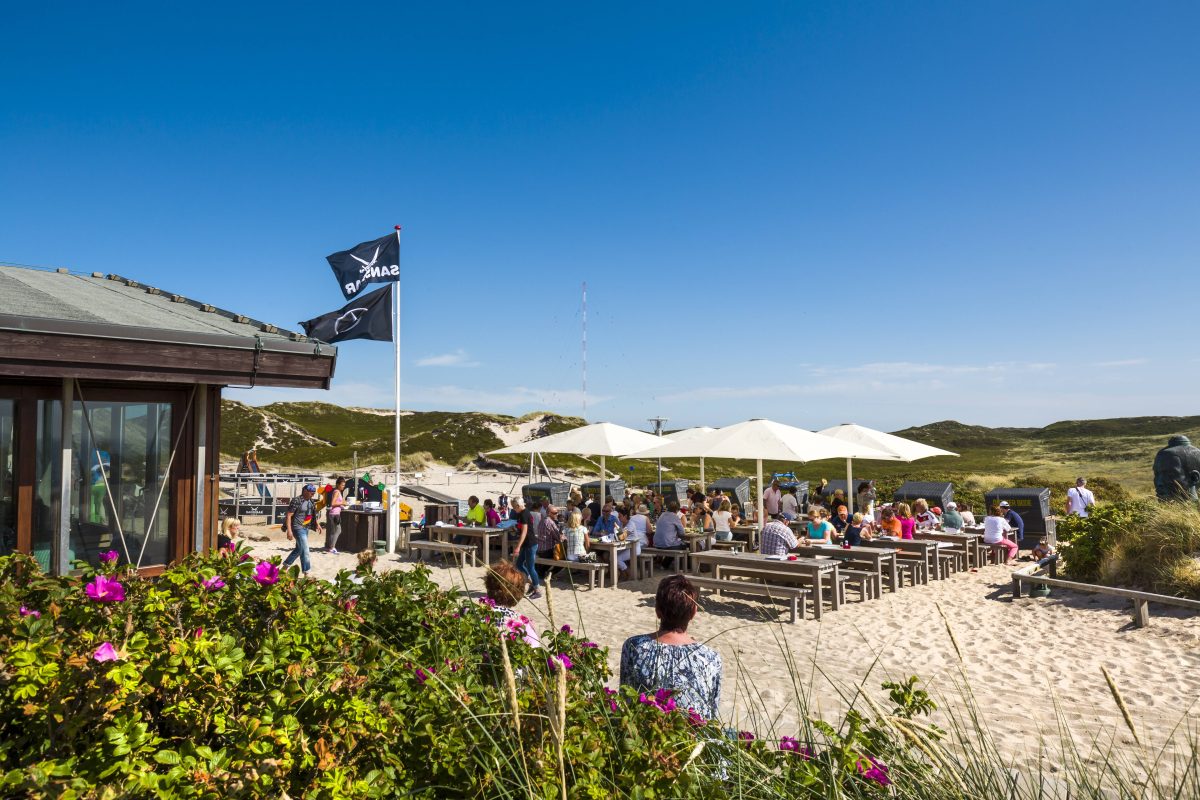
[[671, 659]]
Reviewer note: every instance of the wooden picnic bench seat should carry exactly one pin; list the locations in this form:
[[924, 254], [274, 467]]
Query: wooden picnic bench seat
[[948, 561], [593, 569], [911, 568], [793, 594], [778, 578], [867, 583], [680, 556], [733, 545], [461, 551]]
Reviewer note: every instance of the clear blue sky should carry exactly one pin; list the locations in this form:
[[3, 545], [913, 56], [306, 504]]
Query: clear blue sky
[[888, 213]]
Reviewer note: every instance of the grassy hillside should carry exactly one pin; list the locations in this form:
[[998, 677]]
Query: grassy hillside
[[1116, 454]]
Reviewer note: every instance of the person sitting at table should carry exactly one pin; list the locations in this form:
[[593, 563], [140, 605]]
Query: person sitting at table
[[952, 521], [491, 517], [701, 518], [777, 538], [549, 534], [856, 531], [722, 518], [607, 524], [908, 523], [922, 516], [888, 524], [818, 530], [790, 505], [1015, 520], [968, 518], [231, 529], [840, 519], [735, 514], [475, 512], [838, 499], [995, 526], [668, 530], [636, 531], [669, 658], [576, 535], [866, 499]]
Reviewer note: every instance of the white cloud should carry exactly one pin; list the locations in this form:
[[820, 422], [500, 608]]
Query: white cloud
[[458, 358], [1128, 362]]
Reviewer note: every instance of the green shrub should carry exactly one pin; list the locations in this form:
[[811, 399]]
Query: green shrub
[[214, 680], [1085, 542]]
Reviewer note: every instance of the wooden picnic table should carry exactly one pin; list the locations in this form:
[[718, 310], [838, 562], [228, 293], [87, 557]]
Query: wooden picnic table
[[881, 559], [812, 569], [483, 537], [750, 532], [610, 549], [699, 540], [973, 542], [926, 548]]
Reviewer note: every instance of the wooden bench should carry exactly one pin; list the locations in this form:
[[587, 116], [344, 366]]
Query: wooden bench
[[1141, 600], [784, 579], [947, 562], [593, 569], [680, 556], [793, 594], [905, 568], [916, 565], [733, 546], [867, 583], [462, 551]]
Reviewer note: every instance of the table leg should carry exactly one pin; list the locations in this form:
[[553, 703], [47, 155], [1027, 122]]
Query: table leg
[[486, 543], [612, 568], [818, 600], [835, 602], [895, 573]]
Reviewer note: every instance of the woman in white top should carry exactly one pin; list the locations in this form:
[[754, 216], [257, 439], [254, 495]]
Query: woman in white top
[[995, 526], [721, 520], [968, 517], [578, 542], [636, 532]]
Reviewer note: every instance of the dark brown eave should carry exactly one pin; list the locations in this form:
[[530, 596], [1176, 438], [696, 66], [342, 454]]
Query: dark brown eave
[[51, 348]]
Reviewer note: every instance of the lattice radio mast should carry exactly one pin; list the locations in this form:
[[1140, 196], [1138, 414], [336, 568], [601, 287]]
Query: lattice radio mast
[[584, 344]]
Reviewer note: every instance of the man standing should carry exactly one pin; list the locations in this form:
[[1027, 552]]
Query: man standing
[[1015, 521], [301, 514], [772, 499], [777, 538], [1079, 498], [525, 550]]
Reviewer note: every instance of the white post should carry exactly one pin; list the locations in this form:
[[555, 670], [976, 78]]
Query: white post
[[200, 409], [393, 529], [850, 486], [59, 564], [603, 470], [761, 520], [703, 485]]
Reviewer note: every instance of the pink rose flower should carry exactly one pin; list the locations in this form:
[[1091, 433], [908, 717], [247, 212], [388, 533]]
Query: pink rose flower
[[266, 573], [29, 612], [553, 662], [110, 557], [214, 583], [105, 652], [106, 590]]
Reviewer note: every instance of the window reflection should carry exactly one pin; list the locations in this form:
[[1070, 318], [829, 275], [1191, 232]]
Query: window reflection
[[8, 482], [46, 480], [121, 452]]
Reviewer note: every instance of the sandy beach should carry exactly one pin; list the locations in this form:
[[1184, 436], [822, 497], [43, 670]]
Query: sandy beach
[[1032, 666]]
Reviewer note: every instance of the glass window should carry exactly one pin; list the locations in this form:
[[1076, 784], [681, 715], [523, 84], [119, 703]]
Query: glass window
[[8, 479], [46, 480], [119, 483]]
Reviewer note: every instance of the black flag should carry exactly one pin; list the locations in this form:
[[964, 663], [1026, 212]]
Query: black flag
[[367, 317], [377, 261]]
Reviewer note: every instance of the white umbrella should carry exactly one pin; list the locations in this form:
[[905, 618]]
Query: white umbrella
[[901, 449], [762, 439], [691, 433], [598, 439]]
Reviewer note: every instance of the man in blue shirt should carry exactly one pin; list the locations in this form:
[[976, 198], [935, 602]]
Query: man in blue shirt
[[608, 522], [1014, 519]]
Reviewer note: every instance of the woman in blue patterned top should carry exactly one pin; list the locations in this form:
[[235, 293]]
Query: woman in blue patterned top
[[669, 658]]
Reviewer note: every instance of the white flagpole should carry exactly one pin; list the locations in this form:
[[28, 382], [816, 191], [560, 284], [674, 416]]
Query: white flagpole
[[393, 533]]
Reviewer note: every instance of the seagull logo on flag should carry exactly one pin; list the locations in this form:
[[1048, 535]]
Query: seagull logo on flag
[[350, 319], [365, 269]]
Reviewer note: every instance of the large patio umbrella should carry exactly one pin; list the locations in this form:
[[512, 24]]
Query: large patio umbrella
[[762, 439], [602, 439], [901, 449], [683, 436]]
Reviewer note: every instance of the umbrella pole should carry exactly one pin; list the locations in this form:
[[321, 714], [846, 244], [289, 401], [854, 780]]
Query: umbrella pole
[[760, 496], [602, 471], [850, 485], [703, 486]]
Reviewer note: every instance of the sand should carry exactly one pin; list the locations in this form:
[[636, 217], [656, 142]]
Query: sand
[[1031, 665]]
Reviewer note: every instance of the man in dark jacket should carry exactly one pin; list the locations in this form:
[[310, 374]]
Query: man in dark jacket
[[1014, 519]]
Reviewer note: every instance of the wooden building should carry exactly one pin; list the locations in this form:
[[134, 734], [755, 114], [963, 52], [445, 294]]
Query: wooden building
[[133, 466]]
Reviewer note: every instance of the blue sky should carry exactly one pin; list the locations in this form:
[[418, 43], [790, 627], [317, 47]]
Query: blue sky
[[815, 212]]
